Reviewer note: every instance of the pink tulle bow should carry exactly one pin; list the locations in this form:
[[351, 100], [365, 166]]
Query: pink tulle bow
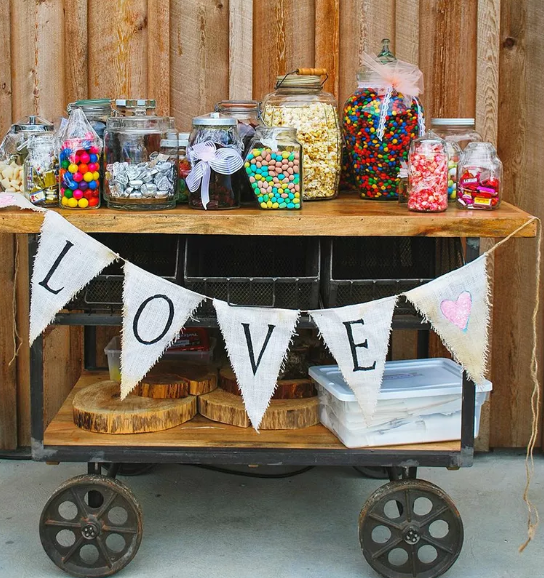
[[404, 77]]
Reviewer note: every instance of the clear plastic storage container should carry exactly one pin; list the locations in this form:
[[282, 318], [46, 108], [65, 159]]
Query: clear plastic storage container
[[274, 167], [138, 175], [479, 177], [419, 402], [300, 102]]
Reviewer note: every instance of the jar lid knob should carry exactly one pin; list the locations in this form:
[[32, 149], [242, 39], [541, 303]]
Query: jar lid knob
[[386, 55]]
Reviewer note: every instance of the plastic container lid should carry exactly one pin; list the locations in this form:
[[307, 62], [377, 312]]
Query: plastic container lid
[[214, 119], [33, 123], [402, 379]]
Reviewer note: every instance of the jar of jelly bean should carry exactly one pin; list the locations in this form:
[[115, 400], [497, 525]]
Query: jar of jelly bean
[[216, 146], [138, 175], [184, 167], [428, 174], [248, 115], [379, 123], [274, 167], [41, 170], [458, 133], [479, 177], [300, 102]]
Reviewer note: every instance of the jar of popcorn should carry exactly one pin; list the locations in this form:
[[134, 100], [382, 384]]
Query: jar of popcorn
[[300, 102]]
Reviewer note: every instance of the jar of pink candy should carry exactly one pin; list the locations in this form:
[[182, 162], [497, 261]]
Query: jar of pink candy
[[428, 174]]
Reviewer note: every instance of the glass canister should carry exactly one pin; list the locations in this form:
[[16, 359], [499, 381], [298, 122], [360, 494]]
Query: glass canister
[[479, 177], [138, 176], [184, 167], [13, 150], [41, 170], [274, 167], [458, 133], [380, 120], [428, 174], [214, 151], [300, 102]]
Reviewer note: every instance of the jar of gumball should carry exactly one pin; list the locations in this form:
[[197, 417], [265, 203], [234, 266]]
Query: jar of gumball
[[479, 176], [300, 102], [138, 175], [380, 120], [214, 151], [274, 167], [184, 167], [428, 174]]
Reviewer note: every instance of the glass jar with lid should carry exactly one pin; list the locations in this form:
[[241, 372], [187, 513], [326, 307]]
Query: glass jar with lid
[[41, 170], [13, 150], [97, 111], [216, 146], [479, 177], [380, 121], [138, 176], [428, 174], [184, 167], [300, 102], [274, 167], [248, 115]]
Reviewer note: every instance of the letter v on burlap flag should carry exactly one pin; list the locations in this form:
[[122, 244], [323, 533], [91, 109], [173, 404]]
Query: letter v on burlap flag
[[358, 337], [154, 312], [457, 307], [256, 340]]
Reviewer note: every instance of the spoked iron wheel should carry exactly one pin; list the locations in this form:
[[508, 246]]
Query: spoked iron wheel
[[410, 529], [91, 526]]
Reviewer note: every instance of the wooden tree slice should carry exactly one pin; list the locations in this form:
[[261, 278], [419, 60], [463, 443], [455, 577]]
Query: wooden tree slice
[[98, 408], [162, 386], [199, 378], [286, 388], [229, 408]]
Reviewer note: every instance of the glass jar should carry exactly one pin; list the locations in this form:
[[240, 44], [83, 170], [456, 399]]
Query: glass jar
[[138, 176], [458, 133], [300, 102], [479, 175], [379, 123], [13, 150], [41, 170], [184, 167], [221, 132], [428, 174], [274, 165]]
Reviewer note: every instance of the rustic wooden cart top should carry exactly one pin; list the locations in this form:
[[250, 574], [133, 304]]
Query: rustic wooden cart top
[[347, 216]]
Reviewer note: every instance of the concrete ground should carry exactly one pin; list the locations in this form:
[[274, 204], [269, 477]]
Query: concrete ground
[[202, 524]]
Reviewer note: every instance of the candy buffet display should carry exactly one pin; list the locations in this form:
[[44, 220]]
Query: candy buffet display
[[215, 149], [138, 175], [380, 120], [41, 170], [300, 102], [274, 165], [79, 177], [428, 174], [479, 176]]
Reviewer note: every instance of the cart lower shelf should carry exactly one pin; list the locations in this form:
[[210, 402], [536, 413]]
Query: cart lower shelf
[[203, 441]]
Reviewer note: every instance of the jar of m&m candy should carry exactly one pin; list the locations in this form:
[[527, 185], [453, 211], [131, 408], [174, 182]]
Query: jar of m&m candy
[[138, 175], [380, 120], [274, 167], [215, 149], [79, 156], [300, 102], [479, 177], [458, 133], [428, 174]]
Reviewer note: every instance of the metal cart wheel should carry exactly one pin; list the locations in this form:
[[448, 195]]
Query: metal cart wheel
[[91, 526], [130, 469], [410, 528]]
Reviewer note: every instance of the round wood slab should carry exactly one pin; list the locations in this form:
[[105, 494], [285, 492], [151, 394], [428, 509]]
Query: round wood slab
[[162, 386], [98, 408], [198, 378], [228, 408], [285, 389]]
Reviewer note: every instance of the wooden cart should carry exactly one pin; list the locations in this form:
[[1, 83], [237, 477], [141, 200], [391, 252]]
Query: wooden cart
[[84, 506]]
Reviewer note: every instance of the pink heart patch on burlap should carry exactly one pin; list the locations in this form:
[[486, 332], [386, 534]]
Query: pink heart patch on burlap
[[458, 312]]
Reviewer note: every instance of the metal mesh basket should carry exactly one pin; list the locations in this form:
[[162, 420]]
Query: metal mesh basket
[[158, 254], [259, 271], [362, 269]]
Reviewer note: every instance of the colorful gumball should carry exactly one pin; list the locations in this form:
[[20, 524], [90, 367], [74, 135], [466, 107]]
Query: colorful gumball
[[93, 158], [88, 177], [72, 168], [84, 157], [78, 193], [92, 184], [83, 168], [83, 203], [68, 193], [94, 150], [93, 202], [93, 167], [96, 175], [78, 177], [83, 185]]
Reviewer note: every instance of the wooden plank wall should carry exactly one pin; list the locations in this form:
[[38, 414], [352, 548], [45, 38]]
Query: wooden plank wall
[[479, 58]]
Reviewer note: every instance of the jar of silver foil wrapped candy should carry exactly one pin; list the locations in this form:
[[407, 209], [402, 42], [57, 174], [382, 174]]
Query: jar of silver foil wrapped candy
[[139, 175]]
